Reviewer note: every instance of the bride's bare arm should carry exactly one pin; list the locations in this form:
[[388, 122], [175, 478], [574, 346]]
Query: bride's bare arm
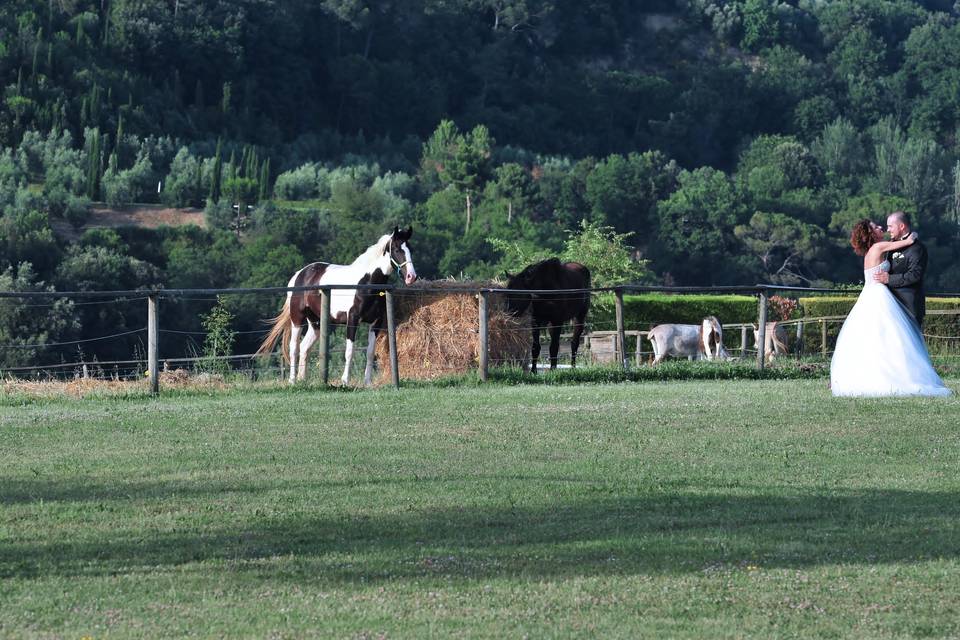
[[893, 245]]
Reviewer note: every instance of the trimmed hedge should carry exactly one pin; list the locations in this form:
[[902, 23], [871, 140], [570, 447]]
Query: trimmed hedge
[[937, 329], [645, 310], [642, 311]]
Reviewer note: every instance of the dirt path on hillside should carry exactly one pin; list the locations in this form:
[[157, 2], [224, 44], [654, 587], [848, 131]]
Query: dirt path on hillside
[[145, 216]]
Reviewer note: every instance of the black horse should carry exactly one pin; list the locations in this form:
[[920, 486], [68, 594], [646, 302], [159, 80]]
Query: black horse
[[552, 310]]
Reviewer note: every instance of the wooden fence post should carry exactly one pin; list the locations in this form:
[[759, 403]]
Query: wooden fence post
[[484, 362], [743, 342], [325, 335], [153, 343], [799, 347], [621, 334], [762, 331], [392, 339], [823, 338]]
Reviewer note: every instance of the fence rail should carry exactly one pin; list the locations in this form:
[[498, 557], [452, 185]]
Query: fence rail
[[619, 334]]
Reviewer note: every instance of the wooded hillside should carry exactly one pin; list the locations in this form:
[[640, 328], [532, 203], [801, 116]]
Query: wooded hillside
[[736, 141]]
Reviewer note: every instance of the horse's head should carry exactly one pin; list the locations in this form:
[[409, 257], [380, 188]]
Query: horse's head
[[517, 303], [400, 257]]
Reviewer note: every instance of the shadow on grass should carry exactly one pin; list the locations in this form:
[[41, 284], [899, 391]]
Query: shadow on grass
[[680, 529]]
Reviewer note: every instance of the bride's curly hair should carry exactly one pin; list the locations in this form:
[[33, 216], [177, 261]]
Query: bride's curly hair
[[861, 238]]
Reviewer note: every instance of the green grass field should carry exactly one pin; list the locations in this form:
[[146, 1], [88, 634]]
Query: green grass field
[[744, 508]]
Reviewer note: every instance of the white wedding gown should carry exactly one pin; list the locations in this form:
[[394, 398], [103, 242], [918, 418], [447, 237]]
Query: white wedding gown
[[880, 351]]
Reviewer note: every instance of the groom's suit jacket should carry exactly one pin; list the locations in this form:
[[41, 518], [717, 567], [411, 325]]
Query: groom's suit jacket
[[907, 268]]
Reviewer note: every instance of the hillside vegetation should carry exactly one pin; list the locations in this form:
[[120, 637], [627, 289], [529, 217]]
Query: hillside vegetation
[[736, 142]]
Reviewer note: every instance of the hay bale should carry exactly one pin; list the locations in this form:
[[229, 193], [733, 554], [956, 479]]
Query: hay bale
[[438, 331]]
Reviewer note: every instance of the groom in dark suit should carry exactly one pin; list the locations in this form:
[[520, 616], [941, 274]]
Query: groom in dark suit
[[907, 267]]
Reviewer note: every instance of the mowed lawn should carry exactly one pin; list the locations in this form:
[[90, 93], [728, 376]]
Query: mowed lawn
[[682, 509]]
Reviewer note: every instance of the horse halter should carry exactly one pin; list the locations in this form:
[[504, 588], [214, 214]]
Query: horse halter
[[397, 265]]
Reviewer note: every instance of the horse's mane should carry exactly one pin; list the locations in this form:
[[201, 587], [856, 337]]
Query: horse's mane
[[373, 252]]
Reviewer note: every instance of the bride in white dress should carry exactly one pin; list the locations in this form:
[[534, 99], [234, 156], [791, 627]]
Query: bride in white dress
[[880, 351]]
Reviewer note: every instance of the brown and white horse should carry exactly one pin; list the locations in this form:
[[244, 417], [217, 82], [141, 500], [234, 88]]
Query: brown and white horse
[[347, 306]]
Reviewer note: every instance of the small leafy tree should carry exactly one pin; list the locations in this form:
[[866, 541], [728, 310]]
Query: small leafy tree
[[218, 343], [600, 248], [181, 187], [606, 253]]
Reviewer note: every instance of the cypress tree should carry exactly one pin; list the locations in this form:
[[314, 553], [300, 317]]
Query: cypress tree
[[217, 168], [198, 183], [244, 161], [36, 55], [93, 166], [95, 105], [119, 129], [264, 181]]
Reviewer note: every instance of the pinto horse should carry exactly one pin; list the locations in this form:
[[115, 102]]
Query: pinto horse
[[347, 306], [552, 310]]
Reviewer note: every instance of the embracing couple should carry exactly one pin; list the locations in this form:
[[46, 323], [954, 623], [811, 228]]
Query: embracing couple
[[880, 349]]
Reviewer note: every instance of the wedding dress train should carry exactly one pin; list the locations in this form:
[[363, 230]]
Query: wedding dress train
[[880, 351]]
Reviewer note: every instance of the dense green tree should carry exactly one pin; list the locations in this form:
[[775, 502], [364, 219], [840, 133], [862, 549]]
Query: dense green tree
[[622, 191], [840, 152], [458, 160], [874, 206], [26, 329], [25, 236], [695, 241], [515, 190], [563, 188], [784, 247], [761, 28]]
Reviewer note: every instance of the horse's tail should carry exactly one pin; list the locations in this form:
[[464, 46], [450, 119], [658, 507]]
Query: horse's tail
[[281, 327]]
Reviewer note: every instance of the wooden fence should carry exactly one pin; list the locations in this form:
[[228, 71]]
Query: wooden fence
[[618, 337]]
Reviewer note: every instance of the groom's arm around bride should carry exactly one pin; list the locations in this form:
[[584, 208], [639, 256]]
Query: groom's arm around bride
[[907, 268]]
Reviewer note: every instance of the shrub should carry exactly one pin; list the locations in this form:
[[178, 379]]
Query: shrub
[[780, 308], [297, 184], [129, 185], [182, 186], [218, 343], [645, 310], [939, 330], [77, 210]]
